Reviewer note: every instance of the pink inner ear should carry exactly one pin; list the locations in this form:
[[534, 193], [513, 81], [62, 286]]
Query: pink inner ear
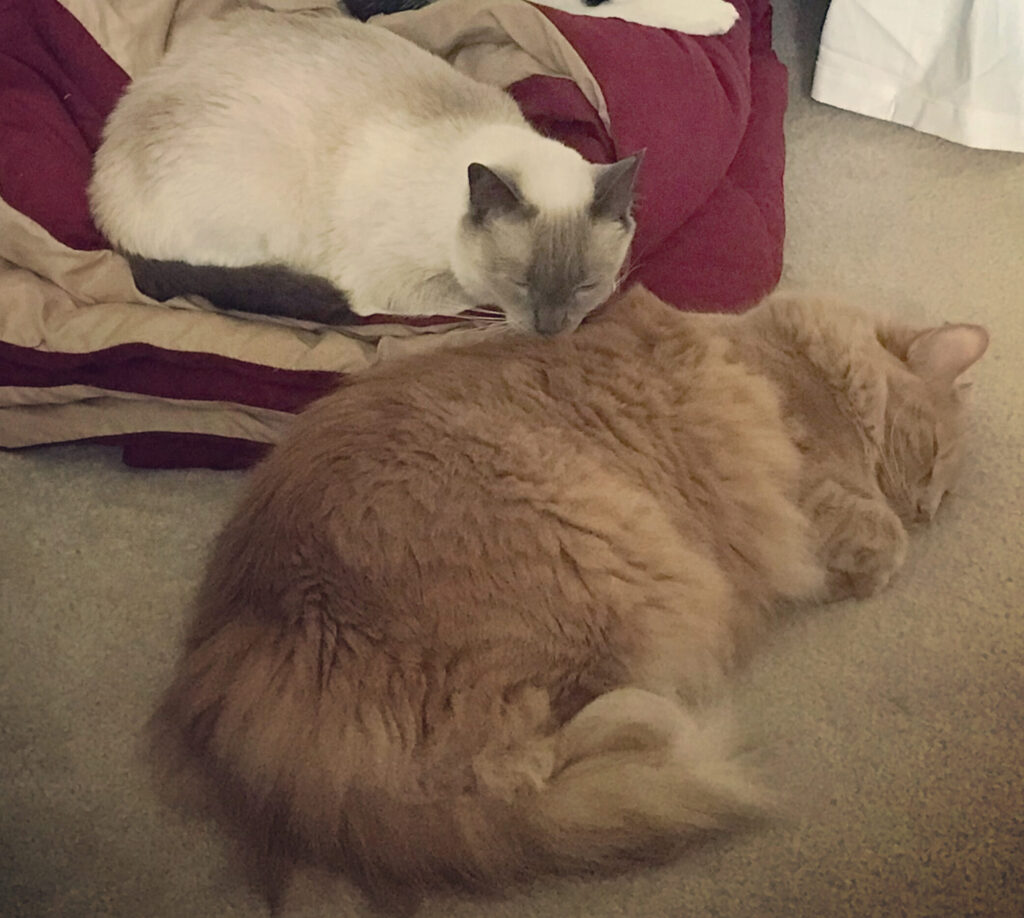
[[942, 354]]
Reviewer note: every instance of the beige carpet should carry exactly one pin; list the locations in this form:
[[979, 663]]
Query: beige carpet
[[895, 725]]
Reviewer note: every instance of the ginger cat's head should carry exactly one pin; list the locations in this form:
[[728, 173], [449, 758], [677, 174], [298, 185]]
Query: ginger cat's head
[[922, 450], [545, 268], [903, 388]]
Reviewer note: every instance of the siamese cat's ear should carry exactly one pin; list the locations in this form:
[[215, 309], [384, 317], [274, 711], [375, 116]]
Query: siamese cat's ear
[[613, 188], [490, 194]]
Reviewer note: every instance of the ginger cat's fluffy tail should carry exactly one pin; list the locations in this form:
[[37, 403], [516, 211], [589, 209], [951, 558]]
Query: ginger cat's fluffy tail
[[635, 773], [631, 778]]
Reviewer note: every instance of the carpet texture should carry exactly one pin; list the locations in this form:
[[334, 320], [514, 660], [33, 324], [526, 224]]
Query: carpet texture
[[895, 727]]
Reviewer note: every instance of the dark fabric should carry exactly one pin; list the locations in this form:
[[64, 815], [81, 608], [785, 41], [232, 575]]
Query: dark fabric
[[148, 370], [150, 451], [57, 87]]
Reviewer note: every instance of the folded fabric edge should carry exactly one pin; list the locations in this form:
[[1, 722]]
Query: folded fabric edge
[[106, 414], [171, 450]]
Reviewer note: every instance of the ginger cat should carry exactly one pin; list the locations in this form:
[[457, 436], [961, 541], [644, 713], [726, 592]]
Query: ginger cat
[[453, 632]]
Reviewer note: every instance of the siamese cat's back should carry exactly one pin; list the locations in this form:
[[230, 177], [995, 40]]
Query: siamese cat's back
[[280, 100], [281, 73], [303, 53]]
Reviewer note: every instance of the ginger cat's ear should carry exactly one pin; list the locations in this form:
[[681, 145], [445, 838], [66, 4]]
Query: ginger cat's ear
[[896, 338], [943, 354]]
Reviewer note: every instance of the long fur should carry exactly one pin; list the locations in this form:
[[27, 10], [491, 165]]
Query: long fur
[[461, 628]]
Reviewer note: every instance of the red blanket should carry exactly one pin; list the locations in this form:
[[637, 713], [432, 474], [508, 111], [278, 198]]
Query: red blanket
[[84, 356]]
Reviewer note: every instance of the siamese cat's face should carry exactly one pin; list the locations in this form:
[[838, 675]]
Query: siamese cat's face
[[546, 270]]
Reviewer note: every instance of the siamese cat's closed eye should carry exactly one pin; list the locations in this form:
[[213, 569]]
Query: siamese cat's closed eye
[[306, 164]]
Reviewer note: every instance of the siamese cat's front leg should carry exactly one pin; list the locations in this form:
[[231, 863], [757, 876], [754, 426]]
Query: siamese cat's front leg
[[862, 541], [412, 293]]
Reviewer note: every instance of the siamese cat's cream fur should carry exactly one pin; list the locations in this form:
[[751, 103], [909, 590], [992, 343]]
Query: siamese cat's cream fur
[[309, 145], [452, 633]]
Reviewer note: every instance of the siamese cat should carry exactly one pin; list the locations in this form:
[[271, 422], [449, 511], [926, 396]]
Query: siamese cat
[[308, 165]]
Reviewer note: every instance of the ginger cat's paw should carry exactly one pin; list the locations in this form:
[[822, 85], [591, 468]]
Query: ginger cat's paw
[[863, 542], [864, 552]]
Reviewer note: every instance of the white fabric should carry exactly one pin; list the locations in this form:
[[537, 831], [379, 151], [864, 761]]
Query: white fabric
[[696, 17], [954, 68]]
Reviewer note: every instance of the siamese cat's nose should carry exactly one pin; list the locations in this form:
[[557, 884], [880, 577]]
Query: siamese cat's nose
[[550, 323]]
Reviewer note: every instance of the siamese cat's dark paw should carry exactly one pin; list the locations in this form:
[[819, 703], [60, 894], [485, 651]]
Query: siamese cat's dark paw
[[269, 290]]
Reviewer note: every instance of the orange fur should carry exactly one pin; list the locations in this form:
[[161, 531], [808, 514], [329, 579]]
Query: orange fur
[[451, 633]]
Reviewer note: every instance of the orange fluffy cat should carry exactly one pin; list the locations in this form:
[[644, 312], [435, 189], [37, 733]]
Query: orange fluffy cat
[[451, 634]]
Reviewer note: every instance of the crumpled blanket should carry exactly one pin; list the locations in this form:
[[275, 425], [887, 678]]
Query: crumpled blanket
[[85, 356]]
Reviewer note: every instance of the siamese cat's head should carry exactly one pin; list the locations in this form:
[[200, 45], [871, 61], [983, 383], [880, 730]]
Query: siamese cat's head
[[545, 268]]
